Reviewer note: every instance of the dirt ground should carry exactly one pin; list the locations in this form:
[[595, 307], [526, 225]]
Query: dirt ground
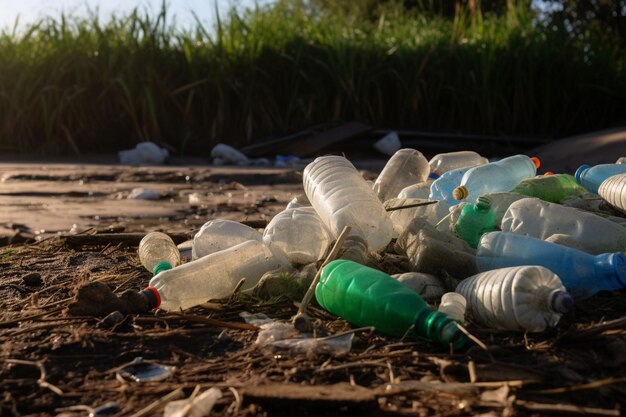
[[72, 224]]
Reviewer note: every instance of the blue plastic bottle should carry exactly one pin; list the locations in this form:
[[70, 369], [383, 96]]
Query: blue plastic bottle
[[582, 274], [443, 187], [502, 175], [591, 177]]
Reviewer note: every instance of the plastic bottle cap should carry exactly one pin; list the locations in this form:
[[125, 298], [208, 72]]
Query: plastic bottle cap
[[161, 266], [561, 302], [460, 193], [153, 296], [483, 204], [433, 175], [579, 172], [536, 161], [549, 173]]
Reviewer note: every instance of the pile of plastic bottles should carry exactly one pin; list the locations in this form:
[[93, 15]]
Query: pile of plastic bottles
[[492, 243]]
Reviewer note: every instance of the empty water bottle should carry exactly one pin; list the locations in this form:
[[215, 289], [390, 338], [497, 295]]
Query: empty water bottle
[[342, 198], [354, 248], [421, 190], [553, 188], [502, 175], [428, 286], [404, 168], [591, 177], [158, 252], [453, 305], [582, 274], [368, 297], [522, 298], [474, 221], [217, 235], [401, 217], [443, 187], [613, 190], [214, 276], [444, 162], [564, 225], [500, 203], [299, 233]]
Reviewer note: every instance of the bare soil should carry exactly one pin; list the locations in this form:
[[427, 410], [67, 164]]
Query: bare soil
[[53, 363]]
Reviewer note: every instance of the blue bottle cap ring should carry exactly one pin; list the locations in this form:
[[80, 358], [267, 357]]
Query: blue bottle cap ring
[[579, 172]]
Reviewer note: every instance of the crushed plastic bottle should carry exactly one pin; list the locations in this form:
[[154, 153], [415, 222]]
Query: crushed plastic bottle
[[553, 188], [475, 220], [613, 190], [453, 305], [502, 175], [368, 297], [428, 286], [591, 177], [342, 198], [158, 252], [521, 298], [299, 233], [582, 274], [406, 167], [217, 235], [401, 217], [444, 162], [564, 225], [214, 276]]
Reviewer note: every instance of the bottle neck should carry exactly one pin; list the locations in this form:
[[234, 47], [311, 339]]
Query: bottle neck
[[611, 267], [440, 328], [160, 267]]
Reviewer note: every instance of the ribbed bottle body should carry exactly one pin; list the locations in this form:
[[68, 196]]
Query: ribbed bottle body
[[157, 247], [404, 168], [613, 190], [342, 198], [516, 298]]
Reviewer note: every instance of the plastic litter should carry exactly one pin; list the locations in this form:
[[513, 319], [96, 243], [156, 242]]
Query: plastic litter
[[388, 144], [522, 298], [143, 194], [444, 162], [453, 305], [553, 188], [428, 286], [421, 190], [368, 297], [475, 220], [342, 198], [591, 177], [143, 371], [227, 155], [158, 252], [613, 190], [502, 175], [214, 276], [145, 153], [581, 273], [217, 235], [402, 217], [195, 406], [621, 160], [564, 225], [443, 187], [404, 168]]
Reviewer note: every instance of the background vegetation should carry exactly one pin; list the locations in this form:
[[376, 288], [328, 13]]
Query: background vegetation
[[497, 67]]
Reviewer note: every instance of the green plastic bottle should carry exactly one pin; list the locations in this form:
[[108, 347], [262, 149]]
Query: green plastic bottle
[[368, 297], [475, 220], [552, 188]]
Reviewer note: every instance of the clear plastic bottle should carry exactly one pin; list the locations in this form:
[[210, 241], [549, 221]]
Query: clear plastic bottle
[[613, 190], [214, 276], [582, 274], [502, 175], [453, 305], [158, 252], [621, 160], [401, 218], [404, 168], [217, 235], [553, 188], [300, 234], [564, 225], [448, 161], [474, 221], [368, 297], [421, 190], [591, 177], [342, 198], [428, 286], [443, 187], [521, 298], [500, 203], [354, 248]]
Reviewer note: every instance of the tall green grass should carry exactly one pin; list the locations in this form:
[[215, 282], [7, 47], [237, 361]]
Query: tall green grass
[[79, 85]]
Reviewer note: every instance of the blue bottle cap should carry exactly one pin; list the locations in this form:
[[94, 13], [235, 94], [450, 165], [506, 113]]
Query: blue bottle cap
[[433, 175], [561, 302], [580, 171]]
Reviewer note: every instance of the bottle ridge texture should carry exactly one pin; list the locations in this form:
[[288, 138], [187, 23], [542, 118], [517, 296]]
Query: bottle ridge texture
[[368, 297], [564, 225], [591, 177], [406, 167], [613, 190], [553, 188], [502, 175], [216, 275], [474, 221], [342, 198], [157, 252], [581, 273], [522, 298]]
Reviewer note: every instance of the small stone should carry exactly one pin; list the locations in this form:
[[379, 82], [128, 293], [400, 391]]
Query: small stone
[[32, 279]]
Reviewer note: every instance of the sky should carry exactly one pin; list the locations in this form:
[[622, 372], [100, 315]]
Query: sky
[[29, 11]]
